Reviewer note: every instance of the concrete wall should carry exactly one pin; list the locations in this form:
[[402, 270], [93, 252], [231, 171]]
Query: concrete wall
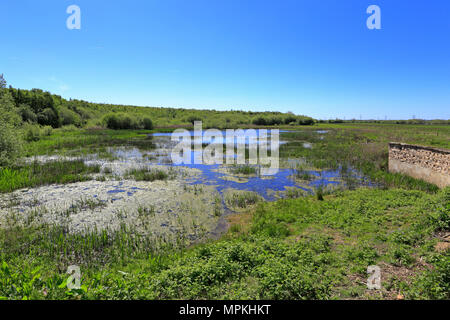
[[426, 163]]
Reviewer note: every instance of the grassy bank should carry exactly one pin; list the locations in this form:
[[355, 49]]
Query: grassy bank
[[290, 249]]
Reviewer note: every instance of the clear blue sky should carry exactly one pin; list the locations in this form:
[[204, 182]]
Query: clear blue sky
[[311, 57]]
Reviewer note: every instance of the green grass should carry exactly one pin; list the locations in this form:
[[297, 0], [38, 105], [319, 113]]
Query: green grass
[[244, 169], [363, 147], [37, 174], [148, 174], [428, 135], [85, 141], [241, 199], [301, 174]]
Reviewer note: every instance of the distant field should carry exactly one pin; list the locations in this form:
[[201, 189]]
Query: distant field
[[429, 135]]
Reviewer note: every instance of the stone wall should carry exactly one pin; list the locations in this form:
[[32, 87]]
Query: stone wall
[[426, 163]]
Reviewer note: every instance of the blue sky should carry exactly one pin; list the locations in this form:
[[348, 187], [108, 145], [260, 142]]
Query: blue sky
[[310, 57]]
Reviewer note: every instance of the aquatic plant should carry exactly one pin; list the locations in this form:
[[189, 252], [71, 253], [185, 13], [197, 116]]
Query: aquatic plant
[[240, 199], [244, 169], [148, 174], [293, 249]]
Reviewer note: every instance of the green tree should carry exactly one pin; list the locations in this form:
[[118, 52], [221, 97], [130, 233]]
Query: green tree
[[2, 82], [9, 122], [68, 117], [27, 113], [48, 116]]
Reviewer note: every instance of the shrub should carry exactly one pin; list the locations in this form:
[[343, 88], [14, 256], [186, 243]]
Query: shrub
[[8, 111], [111, 121], [117, 121], [48, 117], [27, 113], [9, 120], [69, 117], [274, 121], [289, 119], [306, 121], [9, 144], [192, 119], [32, 132], [68, 128], [260, 121], [46, 131]]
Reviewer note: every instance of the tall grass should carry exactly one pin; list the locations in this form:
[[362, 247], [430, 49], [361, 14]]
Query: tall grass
[[302, 174], [37, 174], [244, 169], [364, 151], [149, 174], [241, 199], [91, 249], [62, 140]]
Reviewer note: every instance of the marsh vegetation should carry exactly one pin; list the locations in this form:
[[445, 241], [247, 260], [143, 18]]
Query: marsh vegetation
[[88, 184]]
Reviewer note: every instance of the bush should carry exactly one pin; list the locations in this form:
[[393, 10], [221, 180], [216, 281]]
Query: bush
[[27, 113], [290, 119], [117, 121], [9, 121], [274, 121], [68, 117], [192, 119], [46, 131], [306, 121], [260, 121], [9, 144], [32, 132], [8, 112], [147, 124], [48, 117], [111, 121], [68, 128]]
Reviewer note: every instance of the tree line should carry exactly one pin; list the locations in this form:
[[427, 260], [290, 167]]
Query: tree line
[[45, 109]]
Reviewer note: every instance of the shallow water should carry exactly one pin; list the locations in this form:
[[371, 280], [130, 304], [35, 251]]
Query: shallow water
[[218, 176]]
